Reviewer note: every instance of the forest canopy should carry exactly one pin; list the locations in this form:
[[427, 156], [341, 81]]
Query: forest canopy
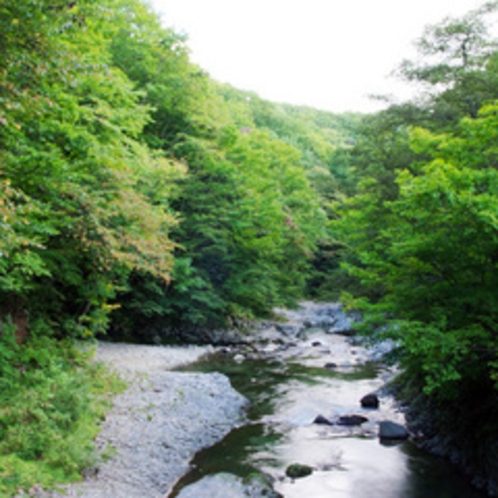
[[420, 223], [134, 183], [140, 200]]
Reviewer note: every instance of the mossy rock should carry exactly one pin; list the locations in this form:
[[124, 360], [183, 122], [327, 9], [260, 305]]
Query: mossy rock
[[297, 470]]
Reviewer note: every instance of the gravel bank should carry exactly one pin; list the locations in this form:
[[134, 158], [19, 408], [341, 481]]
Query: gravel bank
[[157, 425]]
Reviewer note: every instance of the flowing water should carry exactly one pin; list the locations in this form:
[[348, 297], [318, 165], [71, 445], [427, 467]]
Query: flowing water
[[288, 388]]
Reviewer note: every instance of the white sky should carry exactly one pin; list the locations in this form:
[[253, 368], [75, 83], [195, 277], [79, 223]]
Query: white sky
[[328, 54]]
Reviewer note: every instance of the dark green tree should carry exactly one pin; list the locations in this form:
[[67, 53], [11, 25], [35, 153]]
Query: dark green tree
[[79, 213]]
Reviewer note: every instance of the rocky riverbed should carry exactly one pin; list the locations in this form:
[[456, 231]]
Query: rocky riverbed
[[317, 403], [158, 423]]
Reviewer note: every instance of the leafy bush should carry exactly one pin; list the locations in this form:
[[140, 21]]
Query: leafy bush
[[52, 400]]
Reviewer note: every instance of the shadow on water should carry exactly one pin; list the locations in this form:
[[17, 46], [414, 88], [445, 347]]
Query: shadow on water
[[284, 397], [231, 455], [429, 476], [257, 380]]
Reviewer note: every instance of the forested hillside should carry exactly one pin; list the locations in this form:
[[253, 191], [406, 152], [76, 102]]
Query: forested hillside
[[419, 237], [420, 223], [139, 198], [135, 183], [142, 200]]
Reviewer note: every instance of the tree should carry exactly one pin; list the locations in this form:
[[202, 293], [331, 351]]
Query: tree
[[418, 233], [435, 259], [79, 183], [249, 224], [454, 57]]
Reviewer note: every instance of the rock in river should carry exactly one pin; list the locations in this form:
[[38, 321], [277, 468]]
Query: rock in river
[[320, 419], [392, 431], [330, 366], [351, 420], [370, 401], [297, 470]]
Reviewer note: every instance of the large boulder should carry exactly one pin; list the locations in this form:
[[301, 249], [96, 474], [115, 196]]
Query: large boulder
[[392, 431], [370, 401], [297, 470]]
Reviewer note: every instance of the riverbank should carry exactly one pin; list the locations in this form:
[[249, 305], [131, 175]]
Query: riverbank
[[308, 366], [158, 424], [462, 431]]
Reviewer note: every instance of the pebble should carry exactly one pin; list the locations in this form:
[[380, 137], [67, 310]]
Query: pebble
[[158, 424]]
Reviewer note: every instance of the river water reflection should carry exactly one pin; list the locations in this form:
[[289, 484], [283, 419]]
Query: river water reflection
[[348, 462]]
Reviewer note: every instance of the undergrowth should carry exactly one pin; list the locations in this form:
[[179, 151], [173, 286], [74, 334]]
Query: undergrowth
[[52, 399]]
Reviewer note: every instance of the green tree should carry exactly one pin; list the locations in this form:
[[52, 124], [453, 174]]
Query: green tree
[[78, 181], [456, 66], [434, 261], [454, 56], [250, 222]]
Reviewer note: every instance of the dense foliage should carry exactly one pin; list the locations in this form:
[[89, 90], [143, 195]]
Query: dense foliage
[[419, 230], [52, 403], [133, 182], [137, 196], [141, 198], [417, 234], [250, 217]]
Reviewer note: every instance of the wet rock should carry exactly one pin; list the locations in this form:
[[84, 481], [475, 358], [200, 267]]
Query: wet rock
[[370, 401], [475, 457], [297, 470], [392, 431], [330, 366], [315, 344], [352, 420], [320, 419]]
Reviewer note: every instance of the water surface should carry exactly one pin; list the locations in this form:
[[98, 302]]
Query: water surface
[[287, 395]]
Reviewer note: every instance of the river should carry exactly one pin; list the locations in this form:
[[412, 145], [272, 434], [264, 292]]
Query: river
[[315, 371]]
